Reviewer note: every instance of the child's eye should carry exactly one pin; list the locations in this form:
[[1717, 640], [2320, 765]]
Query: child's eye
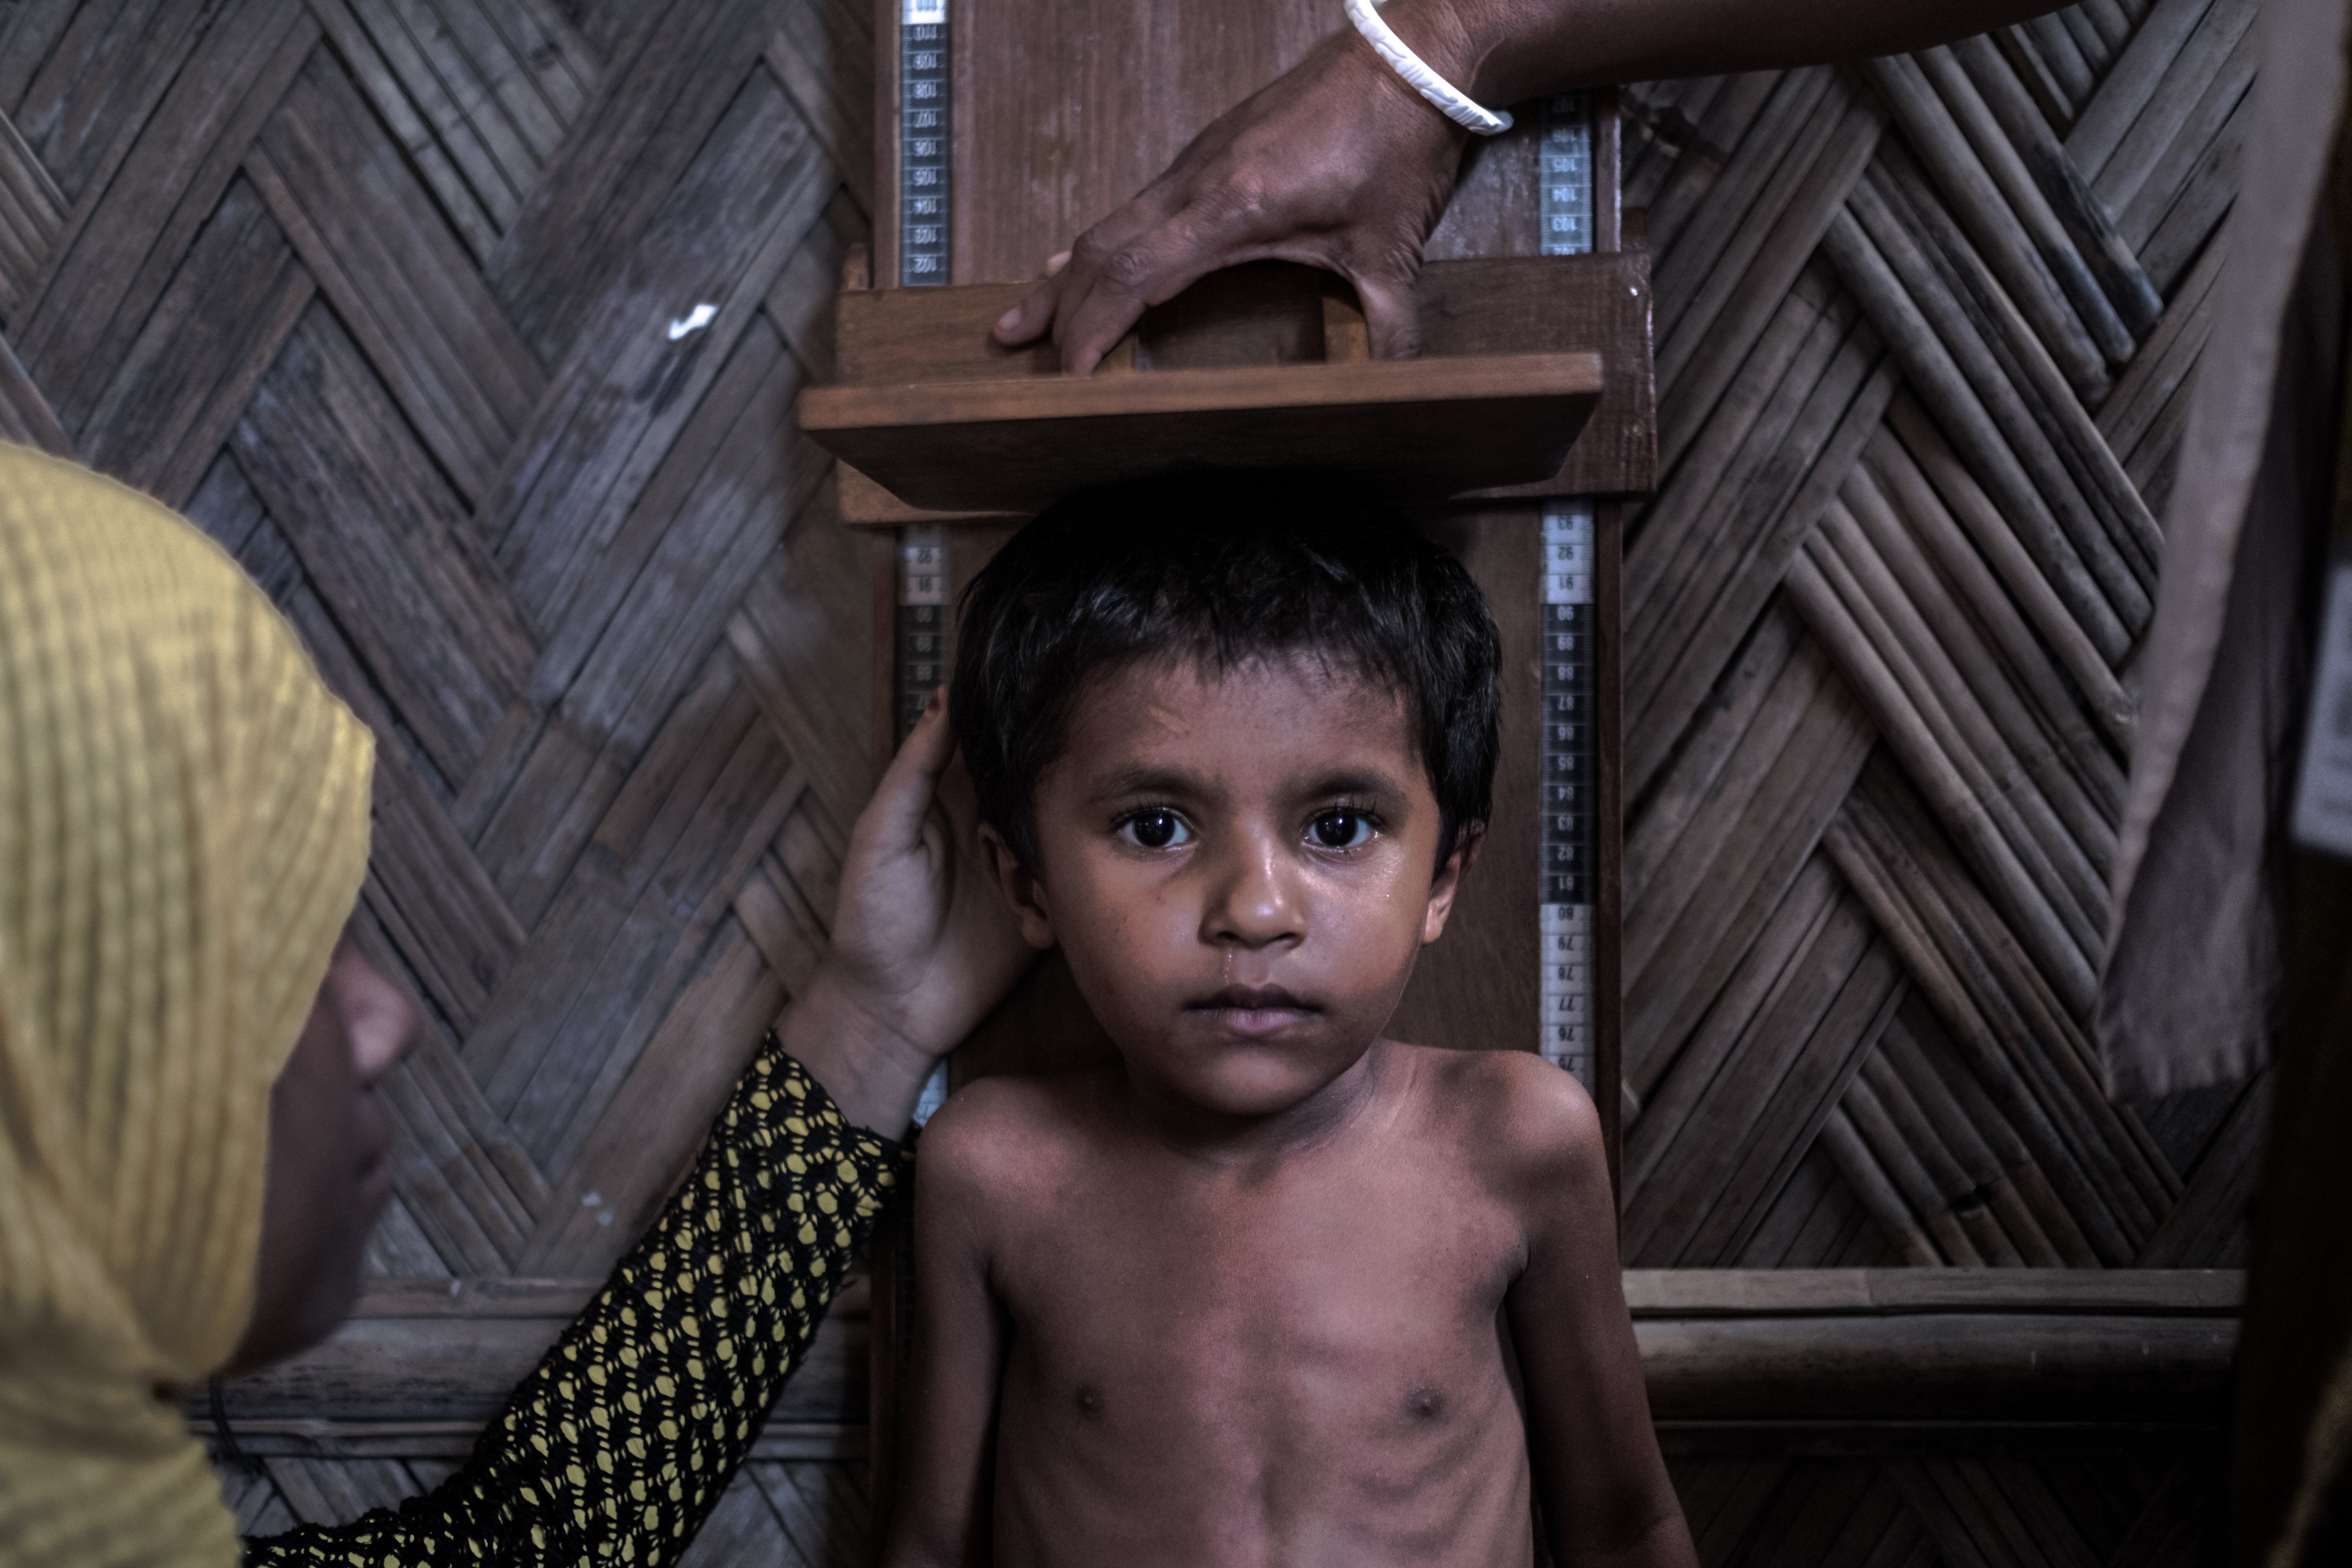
[[1341, 830], [1155, 828]]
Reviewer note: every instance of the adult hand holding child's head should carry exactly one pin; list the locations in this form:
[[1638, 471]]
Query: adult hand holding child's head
[[923, 945]]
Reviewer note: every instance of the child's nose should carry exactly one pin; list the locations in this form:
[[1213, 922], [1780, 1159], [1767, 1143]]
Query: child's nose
[[1253, 900]]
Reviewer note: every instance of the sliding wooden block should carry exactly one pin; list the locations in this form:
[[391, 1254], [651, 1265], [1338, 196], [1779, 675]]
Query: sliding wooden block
[[1430, 428], [1534, 379]]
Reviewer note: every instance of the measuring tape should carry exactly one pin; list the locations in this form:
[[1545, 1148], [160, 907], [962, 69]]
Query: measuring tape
[[924, 168], [1567, 836], [919, 633]]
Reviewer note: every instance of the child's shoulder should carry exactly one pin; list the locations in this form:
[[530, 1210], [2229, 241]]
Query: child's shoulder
[[1526, 1117], [1014, 1126]]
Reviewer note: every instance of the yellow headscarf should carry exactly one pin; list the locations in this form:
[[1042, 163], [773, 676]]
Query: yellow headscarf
[[183, 825]]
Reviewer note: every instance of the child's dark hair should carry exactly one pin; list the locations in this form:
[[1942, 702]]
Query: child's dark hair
[[1222, 569]]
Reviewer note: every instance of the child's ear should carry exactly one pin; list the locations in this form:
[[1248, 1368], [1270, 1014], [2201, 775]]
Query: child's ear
[[1023, 893], [1448, 882]]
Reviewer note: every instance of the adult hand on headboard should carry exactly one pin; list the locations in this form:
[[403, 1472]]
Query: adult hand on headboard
[[1339, 165], [923, 945], [1336, 164]]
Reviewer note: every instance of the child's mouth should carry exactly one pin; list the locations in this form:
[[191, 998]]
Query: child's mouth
[[1255, 1009]]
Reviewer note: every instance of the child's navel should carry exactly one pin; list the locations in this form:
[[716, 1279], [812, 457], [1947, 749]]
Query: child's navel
[[1088, 1399], [1424, 1405]]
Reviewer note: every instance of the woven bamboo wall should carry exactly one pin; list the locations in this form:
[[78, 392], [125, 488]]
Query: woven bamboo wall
[[1923, 330], [382, 292]]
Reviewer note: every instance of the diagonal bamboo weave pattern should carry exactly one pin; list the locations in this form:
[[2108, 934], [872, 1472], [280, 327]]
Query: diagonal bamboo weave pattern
[[382, 292], [1923, 329]]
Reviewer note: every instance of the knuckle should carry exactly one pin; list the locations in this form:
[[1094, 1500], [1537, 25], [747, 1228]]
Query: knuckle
[[1130, 270]]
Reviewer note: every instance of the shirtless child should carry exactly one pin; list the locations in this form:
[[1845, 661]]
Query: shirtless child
[[1270, 1289]]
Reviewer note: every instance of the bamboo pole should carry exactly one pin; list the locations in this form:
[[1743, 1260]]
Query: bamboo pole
[[1807, 329], [1937, 381], [1913, 739], [1977, 202], [2028, 131], [2015, 997], [1695, 250], [2050, 745], [1762, 527], [1850, 843], [2188, 109], [2165, 360], [2040, 83], [2036, 218], [2029, 460], [1670, 1087], [1923, 444], [1739, 298], [1729, 119], [1985, 1142], [2031, 382], [2132, 83], [1902, 1166], [1754, 674], [1932, 638], [1879, 1197]]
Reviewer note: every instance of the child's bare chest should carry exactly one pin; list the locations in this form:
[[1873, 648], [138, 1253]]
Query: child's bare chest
[[1362, 1301]]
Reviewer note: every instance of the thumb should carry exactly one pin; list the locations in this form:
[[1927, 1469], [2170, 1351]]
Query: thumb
[[1391, 317]]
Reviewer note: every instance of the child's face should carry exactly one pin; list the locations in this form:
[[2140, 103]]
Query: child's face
[[1238, 867]]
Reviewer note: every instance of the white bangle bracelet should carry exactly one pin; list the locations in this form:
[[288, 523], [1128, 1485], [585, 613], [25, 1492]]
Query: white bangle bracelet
[[1450, 99]]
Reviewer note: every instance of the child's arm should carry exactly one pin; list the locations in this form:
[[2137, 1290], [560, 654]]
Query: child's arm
[[942, 1513], [1602, 1484]]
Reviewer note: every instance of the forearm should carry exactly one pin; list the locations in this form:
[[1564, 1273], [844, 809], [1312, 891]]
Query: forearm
[[1507, 51], [631, 1425]]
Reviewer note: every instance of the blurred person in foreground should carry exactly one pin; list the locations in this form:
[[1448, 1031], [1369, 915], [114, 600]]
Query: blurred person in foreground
[[191, 1153]]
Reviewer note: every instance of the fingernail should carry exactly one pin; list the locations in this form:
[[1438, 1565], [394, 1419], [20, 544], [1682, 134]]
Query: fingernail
[[1010, 320]]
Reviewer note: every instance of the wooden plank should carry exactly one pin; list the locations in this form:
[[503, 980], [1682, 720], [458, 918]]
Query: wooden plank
[[1440, 425], [415, 1369], [1516, 306], [1035, 86], [1948, 1366], [1478, 988]]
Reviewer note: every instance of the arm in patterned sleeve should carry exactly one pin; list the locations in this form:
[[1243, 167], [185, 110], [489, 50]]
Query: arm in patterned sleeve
[[617, 1447]]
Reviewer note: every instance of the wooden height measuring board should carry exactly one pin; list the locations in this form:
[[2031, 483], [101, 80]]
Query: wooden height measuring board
[[1005, 133]]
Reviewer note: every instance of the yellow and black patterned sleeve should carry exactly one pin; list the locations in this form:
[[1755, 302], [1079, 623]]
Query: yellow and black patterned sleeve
[[617, 1447]]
